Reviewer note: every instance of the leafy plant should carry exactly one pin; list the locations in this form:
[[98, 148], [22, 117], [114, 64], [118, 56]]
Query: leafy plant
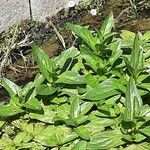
[[90, 97]]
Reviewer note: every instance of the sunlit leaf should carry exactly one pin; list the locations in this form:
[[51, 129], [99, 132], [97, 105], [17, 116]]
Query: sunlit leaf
[[84, 34]]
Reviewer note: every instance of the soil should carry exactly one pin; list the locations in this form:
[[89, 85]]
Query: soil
[[22, 67]]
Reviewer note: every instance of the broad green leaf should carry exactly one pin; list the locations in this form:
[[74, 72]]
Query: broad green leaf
[[26, 88], [53, 136], [145, 86], [75, 109], [11, 87], [86, 107], [2, 123], [82, 119], [45, 64], [145, 131], [98, 124], [9, 110], [71, 92], [138, 137], [33, 104], [84, 34], [146, 36], [91, 80], [46, 117], [127, 35], [63, 111], [70, 53], [6, 143], [83, 132], [91, 59], [70, 77], [136, 59], [81, 145], [142, 146], [39, 79], [116, 52], [129, 66], [107, 25], [106, 111], [59, 100], [133, 101], [44, 89], [19, 137], [111, 101], [105, 140], [145, 111], [103, 90]]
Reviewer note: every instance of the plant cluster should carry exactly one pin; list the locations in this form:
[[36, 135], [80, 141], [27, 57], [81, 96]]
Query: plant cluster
[[90, 97]]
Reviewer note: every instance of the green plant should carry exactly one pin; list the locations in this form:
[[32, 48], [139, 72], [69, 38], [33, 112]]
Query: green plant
[[90, 97]]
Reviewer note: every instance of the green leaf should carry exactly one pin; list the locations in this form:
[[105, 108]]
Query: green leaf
[[70, 53], [127, 35], [133, 101], [145, 111], [70, 77], [91, 80], [11, 87], [142, 146], [45, 64], [9, 110], [137, 60], [86, 107], [59, 100], [91, 59], [63, 111], [128, 64], [146, 36], [44, 89], [75, 109], [83, 132], [107, 25], [46, 117], [19, 137], [33, 104], [81, 145], [39, 79], [26, 89], [145, 86], [84, 34], [105, 140], [98, 124], [53, 136], [145, 131], [103, 90], [116, 52]]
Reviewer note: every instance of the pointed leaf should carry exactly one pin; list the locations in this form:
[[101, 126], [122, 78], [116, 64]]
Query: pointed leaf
[[105, 140], [33, 104], [83, 132], [11, 87], [133, 101], [45, 64], [75, 109], [70, 77], [145, 131], [84, 34], [81, 145], [103, 90], [9, 110], [107, 25], [44, 89]]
